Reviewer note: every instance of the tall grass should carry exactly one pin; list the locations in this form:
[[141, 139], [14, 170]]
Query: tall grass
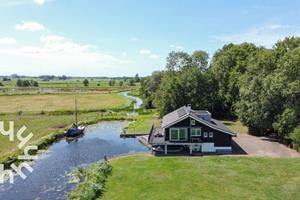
[[94, 180]]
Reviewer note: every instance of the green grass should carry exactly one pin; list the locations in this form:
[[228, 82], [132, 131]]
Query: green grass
[[62, 102], [142, 124], [46, 128], [70, 83], [211, 177], [236, 126]]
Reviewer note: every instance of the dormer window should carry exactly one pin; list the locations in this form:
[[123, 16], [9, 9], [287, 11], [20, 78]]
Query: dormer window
[[193, 122]]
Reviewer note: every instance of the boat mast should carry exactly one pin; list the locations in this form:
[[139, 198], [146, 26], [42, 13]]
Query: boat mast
[[75, 111]]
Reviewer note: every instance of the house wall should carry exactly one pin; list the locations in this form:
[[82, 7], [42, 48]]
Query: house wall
[[219, 138]]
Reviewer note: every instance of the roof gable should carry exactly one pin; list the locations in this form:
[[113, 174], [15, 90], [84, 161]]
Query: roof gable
[[182, 113]]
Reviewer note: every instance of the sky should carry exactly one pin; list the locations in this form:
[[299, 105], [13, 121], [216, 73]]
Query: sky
[[125, 37]]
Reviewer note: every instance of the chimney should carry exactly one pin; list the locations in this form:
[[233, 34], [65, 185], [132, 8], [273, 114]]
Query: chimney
[[189, 107]]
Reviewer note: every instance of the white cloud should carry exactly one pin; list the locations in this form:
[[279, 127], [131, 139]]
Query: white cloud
[[145, 52], [58, 54], [51, 38], [134, 39], [7, 41], [9, 3], [40, 2], [266, 35], [277, 26], [30, 26], [175, 46], [149, 54], [153, 56]]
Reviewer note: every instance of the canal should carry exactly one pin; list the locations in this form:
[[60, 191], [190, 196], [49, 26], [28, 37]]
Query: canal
[[50, 179]]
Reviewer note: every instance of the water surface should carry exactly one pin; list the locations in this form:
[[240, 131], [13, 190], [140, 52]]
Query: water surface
[[49, 179]]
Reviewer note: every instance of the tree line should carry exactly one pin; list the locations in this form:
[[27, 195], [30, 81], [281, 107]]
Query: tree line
[[260, 86]]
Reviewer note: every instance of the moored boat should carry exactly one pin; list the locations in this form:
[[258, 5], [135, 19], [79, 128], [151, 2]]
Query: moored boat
[[76, 130]]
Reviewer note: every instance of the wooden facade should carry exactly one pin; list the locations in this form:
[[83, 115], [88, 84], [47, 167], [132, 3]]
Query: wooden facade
[[194, 131]]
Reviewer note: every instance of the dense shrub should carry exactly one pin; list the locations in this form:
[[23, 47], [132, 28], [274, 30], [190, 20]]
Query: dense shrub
[[94, 179], [295, 136]]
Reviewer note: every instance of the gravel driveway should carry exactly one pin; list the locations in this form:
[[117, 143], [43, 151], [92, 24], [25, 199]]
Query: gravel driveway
[[262, 146]]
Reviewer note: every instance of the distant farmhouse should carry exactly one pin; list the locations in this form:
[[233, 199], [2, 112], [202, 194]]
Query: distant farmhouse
[[193, 131]]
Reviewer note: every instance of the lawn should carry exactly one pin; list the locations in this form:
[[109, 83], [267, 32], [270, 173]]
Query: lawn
[[211, 177], [236, 126], [45, 127], [61, 102], [142, 124]]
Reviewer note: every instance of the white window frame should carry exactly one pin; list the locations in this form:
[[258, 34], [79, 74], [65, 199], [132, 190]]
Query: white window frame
[[178, 134], [193, 122], [196, 129], [211, 134], [205, 134], [173, 129]]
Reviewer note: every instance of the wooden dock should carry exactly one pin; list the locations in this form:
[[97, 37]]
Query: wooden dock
[[124, 135]]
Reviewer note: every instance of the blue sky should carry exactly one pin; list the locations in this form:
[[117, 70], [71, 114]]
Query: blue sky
[[125, 37]]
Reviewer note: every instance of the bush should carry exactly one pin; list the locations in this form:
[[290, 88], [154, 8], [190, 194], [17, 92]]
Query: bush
[[86, 82], [35, 84], [27, 83], [295, 136], [1, 84], [6, 79], [94, 181]]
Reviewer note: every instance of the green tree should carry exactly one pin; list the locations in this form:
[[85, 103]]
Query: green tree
[[86, 82], [19, 83], [178, 60], [131, 82], [200, 59], [35, 84], [149, 86], [228, 64], [137, 78]]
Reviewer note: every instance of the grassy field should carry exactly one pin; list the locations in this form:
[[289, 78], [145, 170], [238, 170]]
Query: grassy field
[[236, 126], [142, 123], [69, 83], [211, 177], [62, 102], [45, 127]]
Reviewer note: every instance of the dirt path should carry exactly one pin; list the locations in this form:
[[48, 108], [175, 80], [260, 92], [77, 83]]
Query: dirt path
[[262, 146]]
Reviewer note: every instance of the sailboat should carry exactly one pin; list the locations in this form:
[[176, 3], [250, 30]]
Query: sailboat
[[76, 130]]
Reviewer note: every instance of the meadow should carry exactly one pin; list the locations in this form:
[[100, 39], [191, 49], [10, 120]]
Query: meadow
[[211, 177], [62, 102], [47, 128], [142, 123], [47, 110], [68, 83]]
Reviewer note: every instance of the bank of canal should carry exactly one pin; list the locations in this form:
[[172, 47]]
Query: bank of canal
[[50, 179]]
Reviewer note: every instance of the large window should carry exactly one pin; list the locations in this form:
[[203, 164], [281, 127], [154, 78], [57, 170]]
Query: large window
[[196, 132], [178, 134]]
